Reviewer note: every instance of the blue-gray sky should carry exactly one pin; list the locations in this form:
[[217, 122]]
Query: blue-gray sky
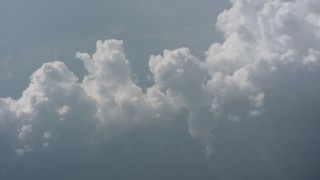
[[103, 90]]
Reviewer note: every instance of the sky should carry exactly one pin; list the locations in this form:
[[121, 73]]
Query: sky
[[160, 89], [56, 30]]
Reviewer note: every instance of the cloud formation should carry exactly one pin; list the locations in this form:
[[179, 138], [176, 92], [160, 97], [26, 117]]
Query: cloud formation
[[270, 59]]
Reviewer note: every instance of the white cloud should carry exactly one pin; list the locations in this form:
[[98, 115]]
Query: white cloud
[[271, 51], [63, 111], [25, 129], [46, 135], [22, 151], [181, 78]]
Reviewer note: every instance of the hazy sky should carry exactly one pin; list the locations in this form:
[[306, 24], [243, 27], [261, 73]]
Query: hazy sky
[[139, 89]]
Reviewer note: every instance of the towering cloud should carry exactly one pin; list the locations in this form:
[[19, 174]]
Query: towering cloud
[[267, 68], [271, 50]]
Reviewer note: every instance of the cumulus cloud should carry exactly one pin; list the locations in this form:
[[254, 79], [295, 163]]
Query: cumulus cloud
[[109, 83], [270, 58]]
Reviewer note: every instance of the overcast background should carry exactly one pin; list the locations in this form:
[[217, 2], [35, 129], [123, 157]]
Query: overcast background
[[241, 102]]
